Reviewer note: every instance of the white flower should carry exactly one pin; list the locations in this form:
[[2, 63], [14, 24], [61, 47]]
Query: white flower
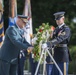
[[44, 46], [34, 40]]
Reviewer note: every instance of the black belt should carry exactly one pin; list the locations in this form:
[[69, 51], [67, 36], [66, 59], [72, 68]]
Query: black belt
[[61, 45]]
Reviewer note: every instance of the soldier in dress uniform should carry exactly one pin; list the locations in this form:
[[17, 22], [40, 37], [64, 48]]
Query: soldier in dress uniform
[[14, 42], [23, 54], [61, 38]]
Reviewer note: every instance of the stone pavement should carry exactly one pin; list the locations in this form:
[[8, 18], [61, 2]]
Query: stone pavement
[[28, 73]]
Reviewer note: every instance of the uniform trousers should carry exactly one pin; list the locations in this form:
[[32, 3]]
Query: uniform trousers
[[49, 68], [33, 65], [61, 65], [21, 62], [7, 68]]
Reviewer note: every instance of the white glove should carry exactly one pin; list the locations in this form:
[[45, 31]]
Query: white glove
[[34, 40], [44, 45]]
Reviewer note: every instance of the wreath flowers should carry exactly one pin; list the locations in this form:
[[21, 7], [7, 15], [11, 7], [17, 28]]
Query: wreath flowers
[[43, 35]]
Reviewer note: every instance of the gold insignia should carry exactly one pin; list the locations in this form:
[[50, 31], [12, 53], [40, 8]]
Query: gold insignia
[[62, 33], [59, 33]]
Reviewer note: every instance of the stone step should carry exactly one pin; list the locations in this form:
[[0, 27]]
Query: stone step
[[26, 72]]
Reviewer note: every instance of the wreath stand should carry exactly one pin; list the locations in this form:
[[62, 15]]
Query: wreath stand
[[43, 55]]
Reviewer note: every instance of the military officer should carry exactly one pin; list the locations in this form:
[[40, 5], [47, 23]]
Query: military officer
[[61, 38], [13, 43]]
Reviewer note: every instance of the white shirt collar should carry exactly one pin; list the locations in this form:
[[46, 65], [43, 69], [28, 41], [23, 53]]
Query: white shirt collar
[[61, 25]]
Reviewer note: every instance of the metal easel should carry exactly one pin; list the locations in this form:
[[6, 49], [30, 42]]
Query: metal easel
[[44, 62]]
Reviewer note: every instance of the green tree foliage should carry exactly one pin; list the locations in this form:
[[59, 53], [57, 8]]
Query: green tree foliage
[[6, 13], [20, 6]]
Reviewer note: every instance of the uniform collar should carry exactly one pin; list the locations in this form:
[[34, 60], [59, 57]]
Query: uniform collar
[[61, 25]]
